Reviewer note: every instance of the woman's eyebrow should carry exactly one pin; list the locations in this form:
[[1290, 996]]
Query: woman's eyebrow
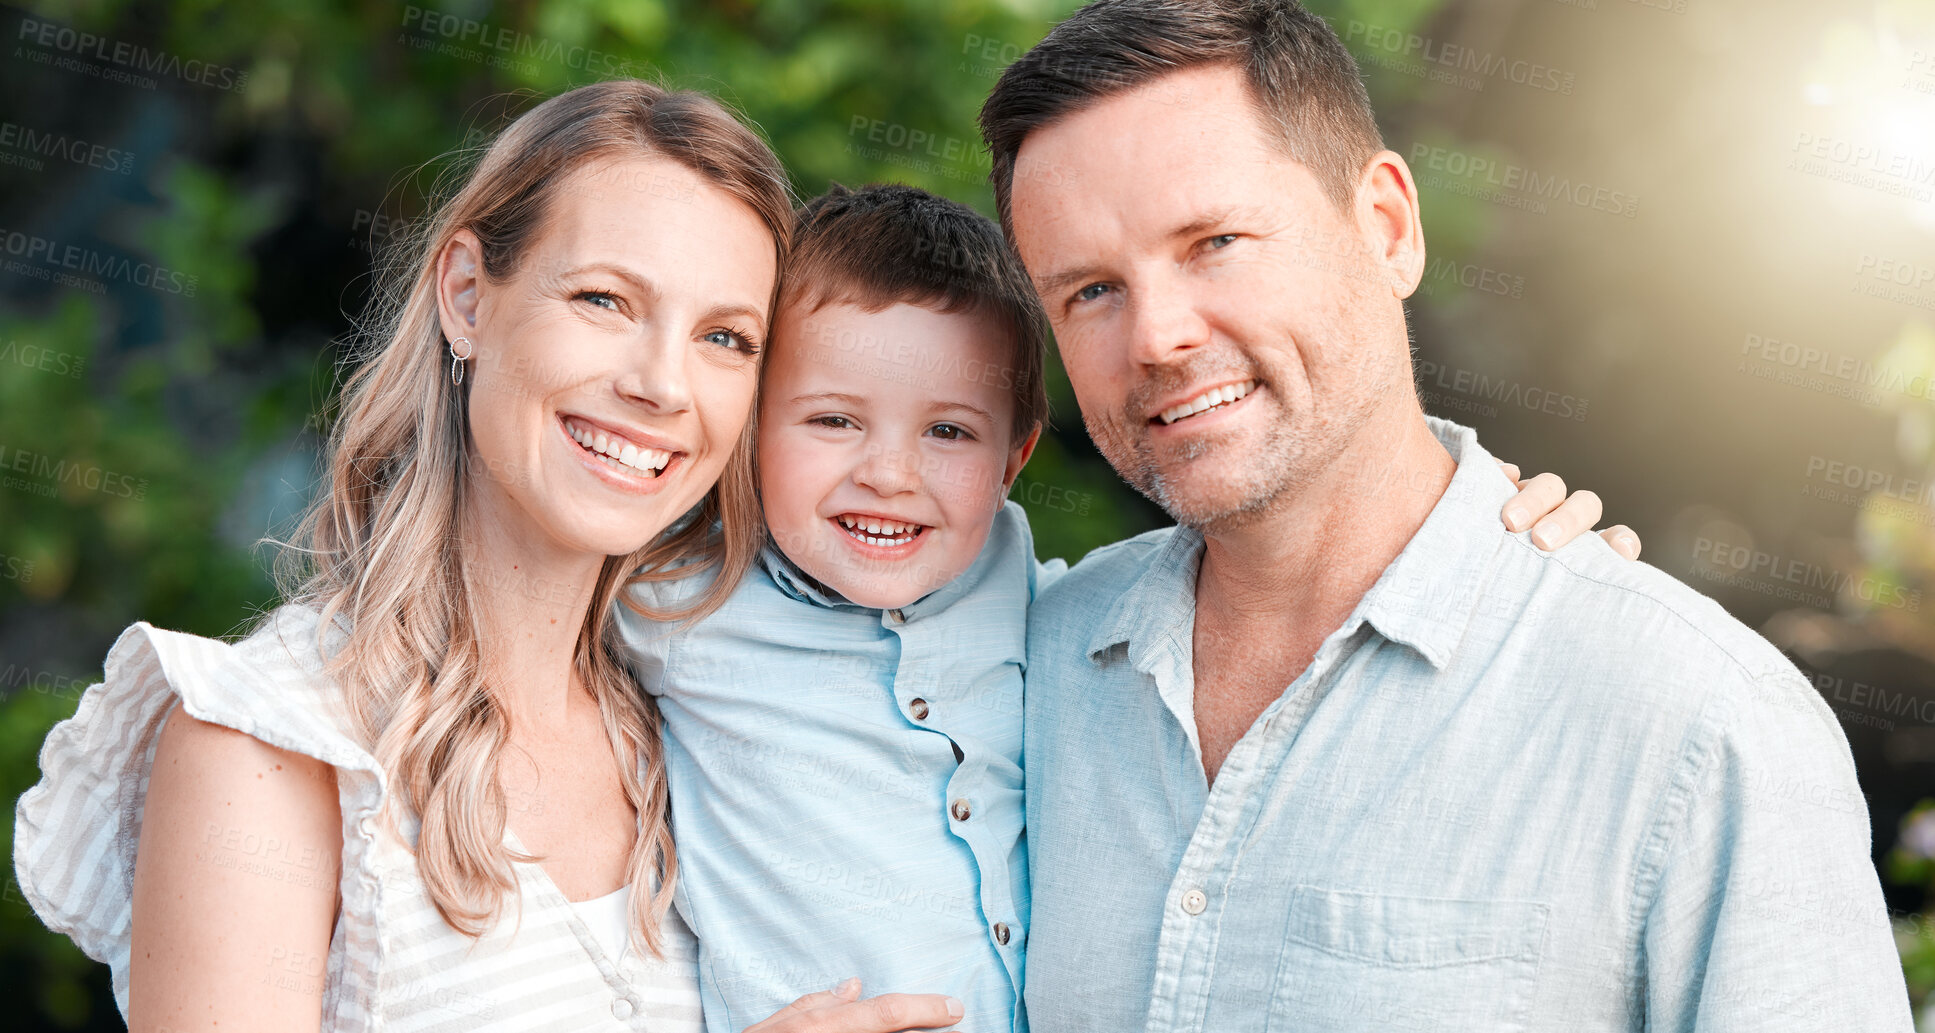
[[640, 283]]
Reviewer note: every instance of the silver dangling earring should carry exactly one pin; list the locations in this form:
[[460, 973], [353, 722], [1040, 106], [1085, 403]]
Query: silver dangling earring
[[457, 361]]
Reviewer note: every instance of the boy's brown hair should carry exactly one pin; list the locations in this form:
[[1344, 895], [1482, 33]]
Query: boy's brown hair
[[888, 244]]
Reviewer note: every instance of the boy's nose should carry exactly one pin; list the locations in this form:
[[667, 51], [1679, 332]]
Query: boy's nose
[[888, 471]]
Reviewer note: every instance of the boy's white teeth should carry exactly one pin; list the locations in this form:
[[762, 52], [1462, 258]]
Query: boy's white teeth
[[618, 450], [1209, 399], [875, 531]]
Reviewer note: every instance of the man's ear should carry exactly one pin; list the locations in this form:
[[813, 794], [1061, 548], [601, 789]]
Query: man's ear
[[1017, 458], [1389, 222], [459, 272]]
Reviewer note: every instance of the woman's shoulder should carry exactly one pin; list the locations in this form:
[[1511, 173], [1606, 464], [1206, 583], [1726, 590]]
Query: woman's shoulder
[[75, 832]]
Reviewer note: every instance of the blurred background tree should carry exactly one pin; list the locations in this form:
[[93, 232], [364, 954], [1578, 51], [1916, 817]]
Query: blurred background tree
[[158, 406]]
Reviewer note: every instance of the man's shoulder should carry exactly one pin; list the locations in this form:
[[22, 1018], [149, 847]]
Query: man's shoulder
[[1109, 567], [1649, 642]]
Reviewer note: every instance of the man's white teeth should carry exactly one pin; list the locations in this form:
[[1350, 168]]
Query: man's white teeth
[[1209, 399], [618, 450], [875, 531]]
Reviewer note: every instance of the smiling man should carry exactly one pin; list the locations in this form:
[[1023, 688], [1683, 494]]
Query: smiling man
[[1302, 763]]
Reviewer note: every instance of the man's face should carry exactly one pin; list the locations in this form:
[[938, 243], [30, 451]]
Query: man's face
[[1227, 331]]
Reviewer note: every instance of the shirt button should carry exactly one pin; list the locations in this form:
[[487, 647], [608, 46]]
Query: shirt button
[[1001, 933], [918, 708], [1193, 902], [621, 1009], [899, 616], [961, 810]]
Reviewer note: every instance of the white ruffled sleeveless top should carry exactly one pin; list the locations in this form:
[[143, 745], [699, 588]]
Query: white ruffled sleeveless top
[[393, 963]]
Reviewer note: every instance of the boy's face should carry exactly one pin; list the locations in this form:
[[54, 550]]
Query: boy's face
[[885, 448]]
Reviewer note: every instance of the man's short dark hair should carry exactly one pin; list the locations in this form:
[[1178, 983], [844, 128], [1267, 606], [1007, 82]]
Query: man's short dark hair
[[883, 245], [1305, 84]]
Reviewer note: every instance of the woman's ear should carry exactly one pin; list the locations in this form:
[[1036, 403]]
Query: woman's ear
[[459, 272]]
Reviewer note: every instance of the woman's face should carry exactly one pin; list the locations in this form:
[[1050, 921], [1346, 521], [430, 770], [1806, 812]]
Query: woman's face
[[615, 366]]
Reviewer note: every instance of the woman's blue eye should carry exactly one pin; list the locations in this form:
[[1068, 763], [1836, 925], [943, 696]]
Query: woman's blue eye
[[951, 432], [735, 341], [603, 299], [1091, 292]]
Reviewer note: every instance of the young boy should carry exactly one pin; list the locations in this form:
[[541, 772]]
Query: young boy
[[843, 736]]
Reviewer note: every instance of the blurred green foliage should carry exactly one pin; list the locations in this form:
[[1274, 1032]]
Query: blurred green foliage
[[182, 420]]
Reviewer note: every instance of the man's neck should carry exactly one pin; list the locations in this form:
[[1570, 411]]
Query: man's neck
[[1304, 565], [1270, 591]]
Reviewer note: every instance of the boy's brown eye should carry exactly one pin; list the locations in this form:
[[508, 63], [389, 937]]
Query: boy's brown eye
[[950, 432]]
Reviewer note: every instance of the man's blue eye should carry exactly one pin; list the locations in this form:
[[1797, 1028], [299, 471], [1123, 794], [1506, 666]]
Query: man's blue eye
[[1222, 241], [1091, 292]]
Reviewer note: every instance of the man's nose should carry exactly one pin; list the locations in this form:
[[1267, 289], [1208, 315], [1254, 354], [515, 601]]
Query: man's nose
[[1164, 321]]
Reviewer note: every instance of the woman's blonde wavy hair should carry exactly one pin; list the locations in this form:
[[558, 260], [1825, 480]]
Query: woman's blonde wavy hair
[[383, 544]]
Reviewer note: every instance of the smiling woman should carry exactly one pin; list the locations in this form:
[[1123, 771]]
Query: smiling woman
[[313, 827]]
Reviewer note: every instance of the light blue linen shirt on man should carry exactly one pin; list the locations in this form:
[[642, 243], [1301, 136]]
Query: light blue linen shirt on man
[[847, 786], [1515, 791]]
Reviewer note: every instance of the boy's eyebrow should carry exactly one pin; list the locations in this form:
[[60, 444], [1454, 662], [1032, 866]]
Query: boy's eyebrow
[[830, 396], [971, 410]]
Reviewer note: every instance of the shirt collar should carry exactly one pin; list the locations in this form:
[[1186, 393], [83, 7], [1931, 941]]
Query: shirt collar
[[1162, 600], [1008, 534], [1424, 599]]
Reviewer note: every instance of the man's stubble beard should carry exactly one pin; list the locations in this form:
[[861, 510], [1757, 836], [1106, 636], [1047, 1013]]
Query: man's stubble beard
[[1288, 460]]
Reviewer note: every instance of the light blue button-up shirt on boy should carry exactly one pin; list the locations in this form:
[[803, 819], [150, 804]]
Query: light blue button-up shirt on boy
[[847, 785], [1515, 791]]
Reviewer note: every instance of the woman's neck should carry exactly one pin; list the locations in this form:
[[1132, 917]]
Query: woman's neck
[[530, 596]]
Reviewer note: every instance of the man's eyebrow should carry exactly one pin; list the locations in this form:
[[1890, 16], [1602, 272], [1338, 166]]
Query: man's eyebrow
[[1215, 218], [1052, 285]]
